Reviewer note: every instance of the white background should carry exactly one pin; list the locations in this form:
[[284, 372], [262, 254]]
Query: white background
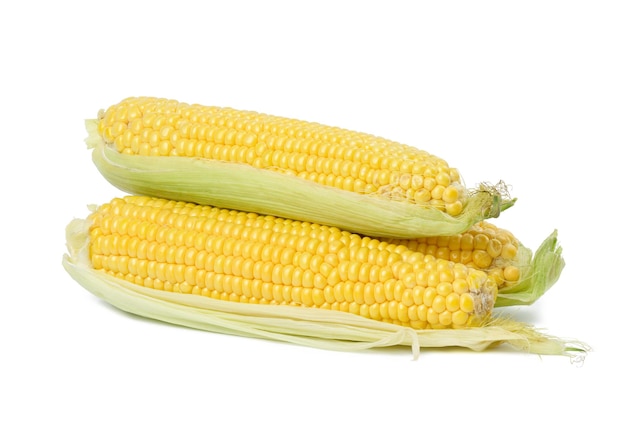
[[529, 92]]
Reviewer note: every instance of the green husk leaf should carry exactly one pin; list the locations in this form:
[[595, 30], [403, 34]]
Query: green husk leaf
[[539, 273], [246, 188], [317, 328]]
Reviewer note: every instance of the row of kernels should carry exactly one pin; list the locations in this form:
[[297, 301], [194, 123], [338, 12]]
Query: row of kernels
[[159, 113]]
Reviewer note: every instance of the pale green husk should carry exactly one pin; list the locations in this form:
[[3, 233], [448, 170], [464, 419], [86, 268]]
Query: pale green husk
[[245, 188], [309, 327], [538, 273]]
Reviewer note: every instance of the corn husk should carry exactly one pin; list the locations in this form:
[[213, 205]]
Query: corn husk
[[246, 188], [539, 272]]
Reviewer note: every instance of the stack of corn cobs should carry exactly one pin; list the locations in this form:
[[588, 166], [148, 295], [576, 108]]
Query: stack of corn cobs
[[257, 225]]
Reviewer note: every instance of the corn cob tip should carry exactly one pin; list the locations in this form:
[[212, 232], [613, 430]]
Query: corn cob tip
[[521, 276], [500, 198]]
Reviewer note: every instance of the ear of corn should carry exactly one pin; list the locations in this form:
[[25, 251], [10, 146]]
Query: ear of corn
[[142, 254], [284, 167], [521, 276], [245, 257]]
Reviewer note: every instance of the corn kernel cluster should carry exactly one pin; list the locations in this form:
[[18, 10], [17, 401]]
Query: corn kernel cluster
[[484, 246]]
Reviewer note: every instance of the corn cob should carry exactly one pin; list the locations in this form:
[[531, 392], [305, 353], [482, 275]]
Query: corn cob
[[288, 168], [501, 255], [244, 257], [236, 272]]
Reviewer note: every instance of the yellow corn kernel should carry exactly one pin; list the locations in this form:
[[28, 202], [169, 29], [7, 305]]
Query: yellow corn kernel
[[466, 303], [511, 273], [459, 318], [235, 256], [509, 251]]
